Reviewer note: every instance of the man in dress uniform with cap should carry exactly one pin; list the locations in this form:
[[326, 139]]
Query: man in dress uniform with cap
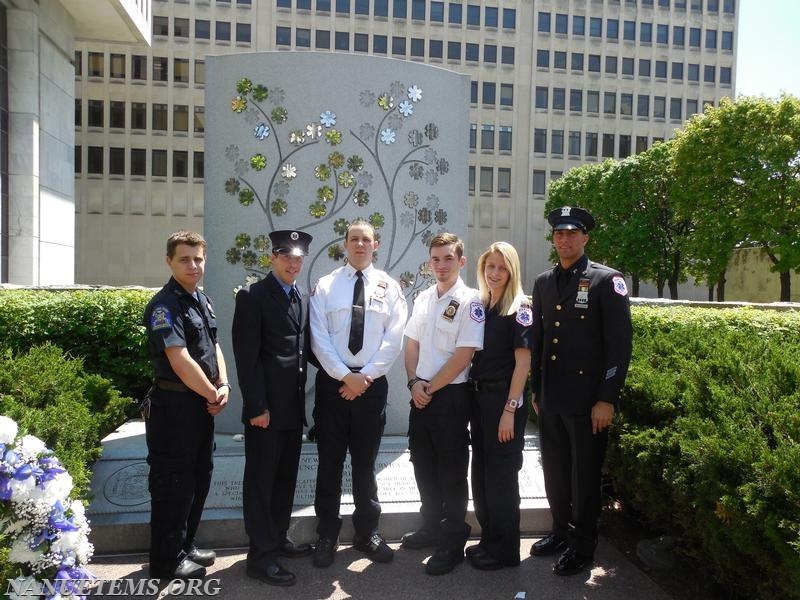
[[357, 317], [190, 388], [270, 346], [582, 346]]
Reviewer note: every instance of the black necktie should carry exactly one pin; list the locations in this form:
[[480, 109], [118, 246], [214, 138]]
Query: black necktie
[[357, 321], [294, 302]]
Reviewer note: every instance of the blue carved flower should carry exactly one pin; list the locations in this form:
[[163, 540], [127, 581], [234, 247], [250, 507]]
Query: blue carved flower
[[395, 121], [232, 152], [388, 136], [366, 130], [406, 108], [431, 176], [407, 219], [367, 98], [364, 179], [280, 188], [431, 156], [241, 166], [276, 95], [396, 88], [261, 131], [432, 202], [415, 93], [328, 119]]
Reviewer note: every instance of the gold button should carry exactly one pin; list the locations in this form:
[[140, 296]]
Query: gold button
[[558, 307], [557, 324], [580, 372], [582, 317], [553, 357], [555, 340]]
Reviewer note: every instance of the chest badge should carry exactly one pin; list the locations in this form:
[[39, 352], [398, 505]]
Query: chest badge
[[380, 290], [582, 297], [451, 310]]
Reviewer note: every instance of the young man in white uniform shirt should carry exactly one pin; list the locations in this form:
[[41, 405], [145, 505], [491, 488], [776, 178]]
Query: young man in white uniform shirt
[[444, 331], [356, 341]]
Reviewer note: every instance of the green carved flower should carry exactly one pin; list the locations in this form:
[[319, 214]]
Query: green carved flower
[[249, 258], [233, 255], [239, 104], [333, 137], [243, 86], [280, 114], [265, 261], [346, 179], [335, 252], [279, 207], [260, 93], [322, 172], [340, 226], [377, 220], [385, 101], [261, 243], [317, 210], [258, 162], [325, 193], [361, 198], [242, 241], [231, 185], [355, 163], [336, 160], [246, 197]]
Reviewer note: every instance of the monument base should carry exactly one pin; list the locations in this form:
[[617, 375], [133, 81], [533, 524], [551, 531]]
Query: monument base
[[120, 509]]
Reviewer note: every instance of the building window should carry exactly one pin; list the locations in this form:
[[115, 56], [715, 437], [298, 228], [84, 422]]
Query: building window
[[576, 100], [557, 141], [727, 40], [595, 27], [362, 7], [472, 52], [642, 105], [506, 94], [661, 69], [180, 164], [487, 185], [543, 24], [694, 37], [578, 25], [341, 40], [504, 180], [360, 41], [78, 112], [691, 108], [94, 160], [473, 136], [559, 98], [725, 75], [418, 47], [138, 162], [116, 161], [729, 6], [199, 119], [542, 94], [138, 115], [117, 66], [283, 36], [161, 26], [646, 33], [624, 146], [116, 114], [223, 31], [627, 66], [159, 163], [380, 44], [626, 104], [577, 61], [399, 9], [559, 59], [713, 6], [612, 29], [608, 145], [711, 39], [574, 147], [437, 12], [678, 35], [659, 107], [629, 31], [677, 70], [540, 140], [489, 91], [644, 67], [641, 144], [662, 34], [399, 46], [160, 68], [243, 33], [490, 15], [418, 10], [199, 72], [380, 8], [504, 138], [180, 118], [180, 28], [198, 165], [594, 63], [302, 38], [543, 58], [509, 18], [322, 38], [342, 7], [709, 73], [538, 182], [96, 67], [592, 101], [611, 65], [487, 137], [160, 116], [675, 108], [490, 53], [507, 55], [693, 72], [202, 29], [454, 50], [454, 13], [591, 144], [96, 113], [282, 3], [181, 70], [610, 103], [78, 64], [138, 67], [471, 184], [473, 92]]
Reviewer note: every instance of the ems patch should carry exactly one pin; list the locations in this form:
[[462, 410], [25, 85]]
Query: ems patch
[[477, 312], [619, 286], [525, 316], [160, 318]]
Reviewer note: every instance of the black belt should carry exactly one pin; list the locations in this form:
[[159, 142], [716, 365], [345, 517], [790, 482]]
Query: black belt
[[489, 385], [171, 386]]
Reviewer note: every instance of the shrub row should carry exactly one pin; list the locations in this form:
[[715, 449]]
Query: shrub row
[[708, 440]]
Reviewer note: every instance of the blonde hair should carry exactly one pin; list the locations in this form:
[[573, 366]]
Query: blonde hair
[[513, 294]]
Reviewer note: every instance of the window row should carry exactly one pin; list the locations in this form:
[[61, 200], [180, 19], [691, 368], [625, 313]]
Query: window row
[[400, 46], [134, 162], [587, 144], [421, 10], [711, 6], [217, 2], [612, 65], [118, 112], [119, 68], [489, 95], [714, 39], [487, 180], [504, 137], [617, 104], [181, 29]]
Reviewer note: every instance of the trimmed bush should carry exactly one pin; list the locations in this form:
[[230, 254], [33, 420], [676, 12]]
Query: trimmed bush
[[707, 444]]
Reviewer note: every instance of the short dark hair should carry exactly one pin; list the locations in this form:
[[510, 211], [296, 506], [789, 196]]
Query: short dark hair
[[360, 223], [445, 239], [184, 236]]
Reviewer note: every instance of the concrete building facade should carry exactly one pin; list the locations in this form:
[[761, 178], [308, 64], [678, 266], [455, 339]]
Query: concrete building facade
[[555, 84]]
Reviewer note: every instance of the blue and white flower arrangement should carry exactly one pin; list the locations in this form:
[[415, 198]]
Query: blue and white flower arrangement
[[45, 528]]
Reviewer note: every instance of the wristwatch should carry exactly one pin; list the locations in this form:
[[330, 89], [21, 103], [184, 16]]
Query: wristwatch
[[412, 381], [513, 403], [226, 384]]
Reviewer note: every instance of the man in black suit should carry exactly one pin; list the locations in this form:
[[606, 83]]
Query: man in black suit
[[582, 347], [270, 345]]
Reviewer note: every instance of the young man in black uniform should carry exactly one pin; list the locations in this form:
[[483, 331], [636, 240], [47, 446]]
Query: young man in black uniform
[[270, 345], [190, 387], [582, 346]]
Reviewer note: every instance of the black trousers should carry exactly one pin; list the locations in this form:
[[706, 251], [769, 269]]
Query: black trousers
[[270, 477], [342, 425], [495, 474], [180, 446], [439, 443], [572, 460]]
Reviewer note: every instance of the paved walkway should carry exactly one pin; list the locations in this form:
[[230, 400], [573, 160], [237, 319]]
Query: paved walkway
[[352, 576]]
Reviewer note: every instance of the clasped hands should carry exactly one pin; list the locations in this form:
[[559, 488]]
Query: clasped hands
[[354, 384], [220, 401], [421, 393]]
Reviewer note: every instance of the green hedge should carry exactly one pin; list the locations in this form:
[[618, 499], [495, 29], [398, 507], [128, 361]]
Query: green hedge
[[707, 444], [104, 327]]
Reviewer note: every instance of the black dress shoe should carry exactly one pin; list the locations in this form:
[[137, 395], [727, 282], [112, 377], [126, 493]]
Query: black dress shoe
[[374, 546], [202, 557], [484, 561], [571, 562], [443, 561], [324, 552], [475, 550], [289, 549], [416, 540], [272, 573], [549, 545], [186, 569]]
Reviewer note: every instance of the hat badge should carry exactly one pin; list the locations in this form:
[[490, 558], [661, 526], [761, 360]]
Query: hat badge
[[565, 210], [295, 236]]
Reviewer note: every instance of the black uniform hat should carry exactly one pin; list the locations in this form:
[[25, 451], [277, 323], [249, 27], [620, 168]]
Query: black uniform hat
[[570, 217], [294, 243]]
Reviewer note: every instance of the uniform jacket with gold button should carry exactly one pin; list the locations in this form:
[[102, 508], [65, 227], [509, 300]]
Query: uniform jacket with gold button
[[582, 338]]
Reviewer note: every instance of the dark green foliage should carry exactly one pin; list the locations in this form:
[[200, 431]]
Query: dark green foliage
[[104, 327], [708, 440]]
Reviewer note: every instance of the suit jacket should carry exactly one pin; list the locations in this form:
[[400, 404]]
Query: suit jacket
[[582, 338], [270, 347]]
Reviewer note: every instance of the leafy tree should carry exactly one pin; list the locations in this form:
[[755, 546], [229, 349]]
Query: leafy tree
[[738, 170]]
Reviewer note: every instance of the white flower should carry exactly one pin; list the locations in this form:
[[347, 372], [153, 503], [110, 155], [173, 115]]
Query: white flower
[[406, 108], [415, 93], [328, 118], [21, 489], [8, 430], [313, 131], [388, 136], [21, 551], [288, 171], [30, 446], [54, 490]]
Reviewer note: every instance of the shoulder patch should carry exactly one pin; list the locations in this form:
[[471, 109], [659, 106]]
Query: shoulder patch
[[524, 315], [477, 312], [619, 285], [160, 318]]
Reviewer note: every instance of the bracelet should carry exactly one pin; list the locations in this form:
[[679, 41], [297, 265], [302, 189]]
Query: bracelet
[[413, 381], [226, 384]]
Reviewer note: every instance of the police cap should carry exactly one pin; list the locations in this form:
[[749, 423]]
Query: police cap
[[570, 217], [287, 241]]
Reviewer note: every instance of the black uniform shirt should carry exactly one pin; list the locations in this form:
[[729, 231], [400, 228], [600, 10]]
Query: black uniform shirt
[[175, 318], [501, 337]]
